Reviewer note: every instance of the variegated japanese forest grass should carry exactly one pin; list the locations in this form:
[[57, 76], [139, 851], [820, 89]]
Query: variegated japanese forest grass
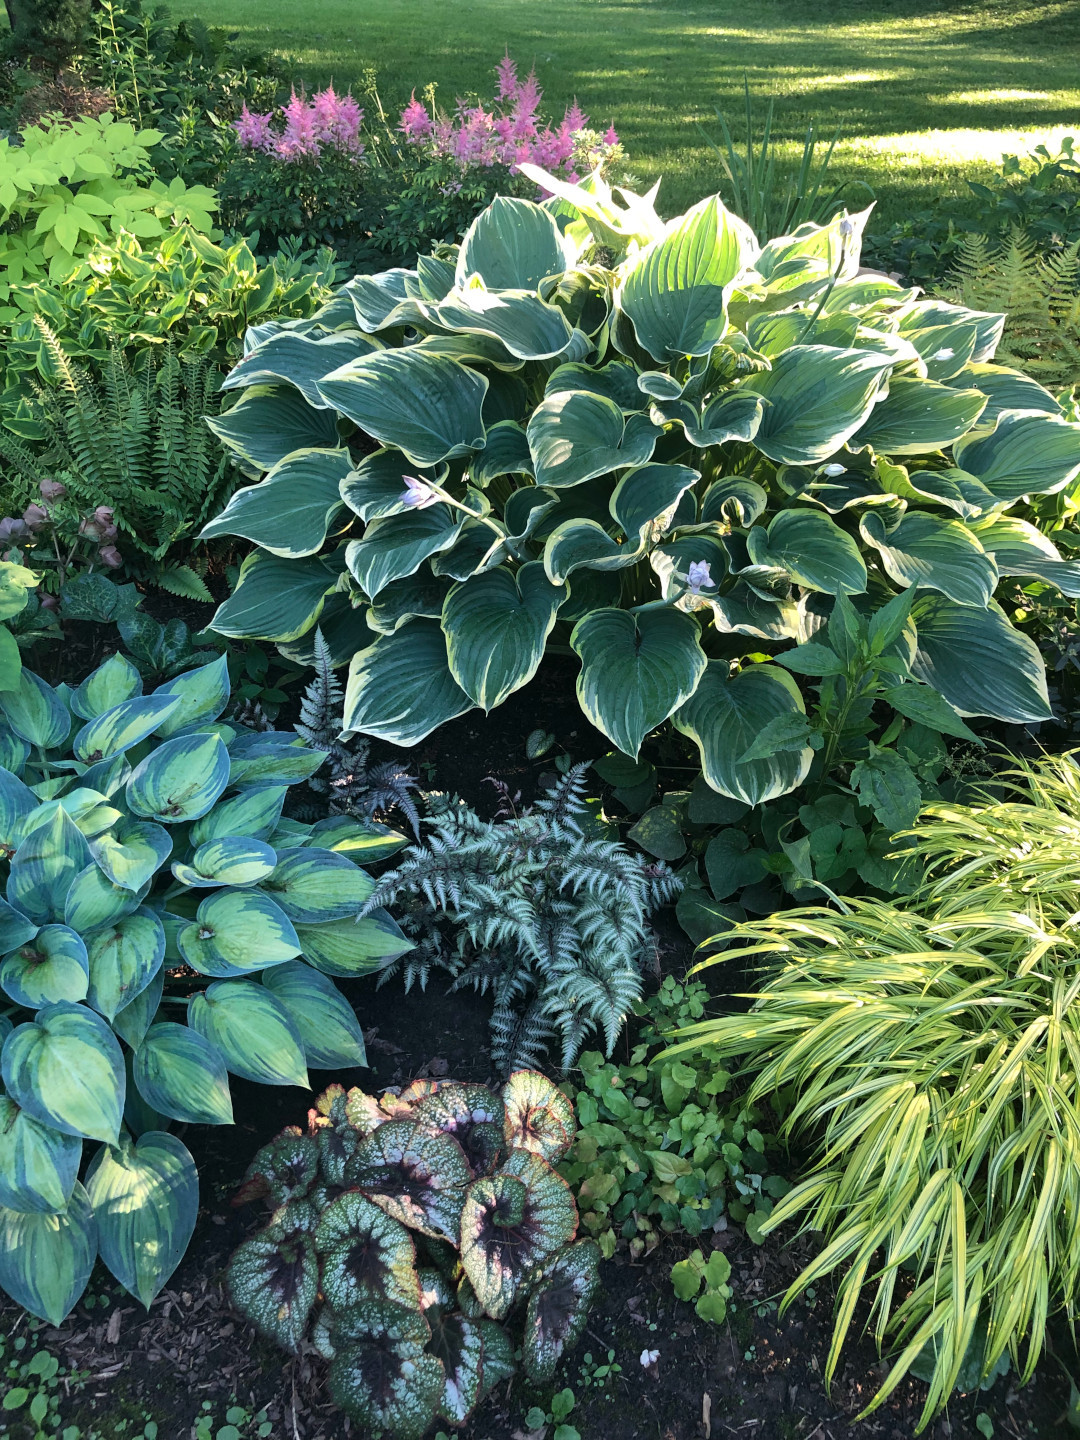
[[926, 94]]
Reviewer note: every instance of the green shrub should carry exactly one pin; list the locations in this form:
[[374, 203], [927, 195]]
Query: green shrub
[[151, 880], [44, 34], [929, 1054], [674, 466], [406, 1231]]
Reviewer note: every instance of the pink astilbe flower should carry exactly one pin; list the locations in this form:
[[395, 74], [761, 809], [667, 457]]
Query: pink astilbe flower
[[253, 130], [575, 118], [508, 79], [415, 121], [300, 137], [610, 138]]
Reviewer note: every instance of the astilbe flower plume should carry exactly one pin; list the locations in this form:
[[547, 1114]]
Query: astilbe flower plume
[[328, 120]]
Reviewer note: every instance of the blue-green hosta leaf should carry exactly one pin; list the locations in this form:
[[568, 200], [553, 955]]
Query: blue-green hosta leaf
[[38, 1165], [401, 688], [474, 1116], [124, 958], [558, 1309], [364, 841], [44, 866], [329, 1032], [496, 627], [115, 679], [388, 298], [735, 500], [313, 886], [506, 453], [252, 1030], [46, 1260], [232, 860], [132, 855], [988, 326], [518, 319], [35, 712], [617, 381], [426, 405], [376, 485], [272, 421], [122, 727], [511, 1223], [200, 695], [734, 416], [92, 900], [978, 661], [636, 669], [416, 1176], [954, 489], [933, 554], [66, 1069], [89, 809], [382, 1375], [273, 1279], [107, 776], [917, 416], [366, 1256], [15, 928], [50, 967], [253, 813], [299, 360], [1005, 390], [537, 1116], [812, 549], [133, 1021], [14, 750], [275, 599], [512, 245], [648, 497], [725, 716], [816, 397], [1023, 455], [586, 545], [676, 290], [349, 948], [180, 1074], [17, 803], [180, 780], [236, 932], [284, 1169], [575, 435], [271, 757], [146, 1200], [292, 510], [396, 546], [945, 349], [1019, 548]]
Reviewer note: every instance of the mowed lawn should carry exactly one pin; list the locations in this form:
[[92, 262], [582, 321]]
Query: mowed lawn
[[926, 94]]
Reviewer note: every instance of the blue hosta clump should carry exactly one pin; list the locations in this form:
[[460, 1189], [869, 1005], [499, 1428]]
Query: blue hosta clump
[[163, 926], [407, 1233]]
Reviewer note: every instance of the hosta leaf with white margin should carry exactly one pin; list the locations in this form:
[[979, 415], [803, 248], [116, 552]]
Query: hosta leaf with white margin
[[558, 1309], [375, 487], [17, 803], [457, 1342], [395, 546], [269, 422], [575, 435], [945, 349], [254, 814], [122, 727], [933, 554], [1023, 455], [496, 627], [52, 966], [365, 1256], [114, 680], [180, 1074], [979, 662], [275, 599], [291, 511], [401, 688], [38, 1165], [46, 1260], [586, 545], [512, 245], [426, 405], [273, 1279], [675, 291], [725, 716], [415, 1175], [328, 1028], [1018, 548], [1005, 390], [66, 1069], [146, 1200], [519, 320], [512, 1222], [734, 416], [649, 495], [201, 695], [284, 1169], [376, 298], [237, 931], [988, 326], [473, 1115], [812, 549], [538, 1116], [506, 453], [232, 860], [124, 958], [179, 780], [299, 360], [817, 398], [382, 1375], [270, 757], [734, 499], [637, 667], [252, 1029], [349, 948], [917, 416], [133, 853], [93, 900], [313, 886], [35, 712]]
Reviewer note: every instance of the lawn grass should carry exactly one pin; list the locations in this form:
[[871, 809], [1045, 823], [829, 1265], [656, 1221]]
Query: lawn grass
[[926, 92]]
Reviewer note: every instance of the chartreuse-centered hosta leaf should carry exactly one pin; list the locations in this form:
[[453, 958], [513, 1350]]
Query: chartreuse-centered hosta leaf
[[406, 1229], [161, 927], [671, 454]]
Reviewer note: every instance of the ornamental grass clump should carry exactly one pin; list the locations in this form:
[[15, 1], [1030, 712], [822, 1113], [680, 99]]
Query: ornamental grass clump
[[930, 1057]]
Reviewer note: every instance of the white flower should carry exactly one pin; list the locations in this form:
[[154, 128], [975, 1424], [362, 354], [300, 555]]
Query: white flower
[[834, 469], [944, 353], [417, 496], [649, 1357], [846, 227]]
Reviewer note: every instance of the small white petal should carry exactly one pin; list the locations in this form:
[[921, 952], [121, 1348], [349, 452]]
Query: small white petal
[[945, 354], [834, 469]]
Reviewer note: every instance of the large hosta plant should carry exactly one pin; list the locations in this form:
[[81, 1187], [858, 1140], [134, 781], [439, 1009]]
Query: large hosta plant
[[659, 444], [163, 926], [406, 1233]]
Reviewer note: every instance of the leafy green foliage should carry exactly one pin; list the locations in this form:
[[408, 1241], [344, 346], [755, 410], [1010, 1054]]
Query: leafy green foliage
[[150, 877], [45, 33], [955, 1164], [17, 583], [411, 1313], [689, 1276], [539, 908]]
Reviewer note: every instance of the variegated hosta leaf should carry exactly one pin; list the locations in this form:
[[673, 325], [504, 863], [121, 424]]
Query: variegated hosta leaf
[[252, 1030], [253, 813], [273, 1279], [181, 1075], [50, 967], [125, 725], [538, 1116], [270, 757], [316, 886], [179, 780], [236, 932], [328, 1028], [558, 1308], [382, 1375], [201, 695], [114, 680], [366, 1256], [46, 1260], [38, 1165], [512, 1222], [473, 1115], [124, 958], [66, 1069], [417, 1177], [284, 1169]]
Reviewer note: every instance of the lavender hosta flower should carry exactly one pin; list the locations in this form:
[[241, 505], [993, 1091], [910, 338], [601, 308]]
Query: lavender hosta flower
[[417, 495], [35, 516], [847, 229], [52, 490], [699, 576], [110, 556]]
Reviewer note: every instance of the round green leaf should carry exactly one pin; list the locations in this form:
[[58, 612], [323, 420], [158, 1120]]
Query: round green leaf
[[46, 1260], [38, 1165], [978, 661], [496, 627], [817, 397], [66, 1069], [512, 245], [400, 688], [291, 511], [51, 967], [180, 1074], [236, 932], [933, 554], [328, 1028], [180, 780], [252, 1030], [124, 958]]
